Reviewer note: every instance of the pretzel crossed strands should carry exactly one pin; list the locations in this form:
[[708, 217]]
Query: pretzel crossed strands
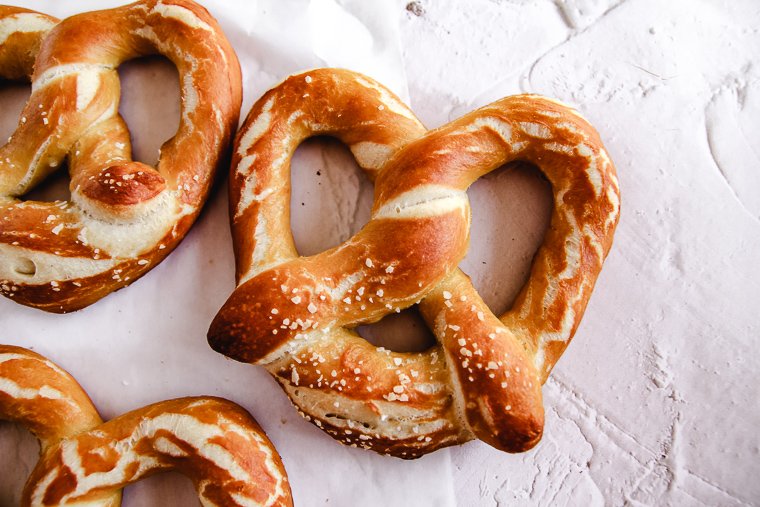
[[124, 217], [295, 315], [214, 442]]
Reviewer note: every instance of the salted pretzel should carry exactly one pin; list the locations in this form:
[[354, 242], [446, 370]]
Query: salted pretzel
[[124, 216], [214, 442], [295, 315]]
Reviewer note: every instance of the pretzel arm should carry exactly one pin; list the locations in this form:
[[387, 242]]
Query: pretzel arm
[[21, 34], [39, 395], [501, 375], [105, 183], [586, 211], [496, 382], [372, 128], [46, 400]]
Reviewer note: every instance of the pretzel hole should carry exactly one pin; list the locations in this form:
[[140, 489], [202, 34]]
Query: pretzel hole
[[168, 489], [331, 197], [150, 104], [53, 188], [26, 267], [399, 332], [511, 211], [13, 97], [19, 451]]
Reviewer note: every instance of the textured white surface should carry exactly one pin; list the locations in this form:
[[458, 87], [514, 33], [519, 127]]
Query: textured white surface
[[654, 403]]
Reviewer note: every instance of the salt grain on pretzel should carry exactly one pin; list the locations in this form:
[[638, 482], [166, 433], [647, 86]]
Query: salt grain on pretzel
[[295, 315], [214, 442], [124, 217]]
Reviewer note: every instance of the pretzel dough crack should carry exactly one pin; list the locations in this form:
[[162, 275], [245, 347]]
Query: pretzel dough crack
[[425, 201]]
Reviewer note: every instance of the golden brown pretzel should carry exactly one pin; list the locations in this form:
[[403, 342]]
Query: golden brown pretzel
[[124, 217], [294, 314], [214, 442]]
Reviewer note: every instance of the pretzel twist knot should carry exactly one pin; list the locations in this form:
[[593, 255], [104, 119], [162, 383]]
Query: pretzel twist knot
[[124, 217], [214, 442], [295, 315]]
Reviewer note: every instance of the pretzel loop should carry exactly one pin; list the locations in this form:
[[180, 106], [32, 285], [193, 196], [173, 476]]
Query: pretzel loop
[[214, 442], [37, 394], [295, 315], [124, 216]]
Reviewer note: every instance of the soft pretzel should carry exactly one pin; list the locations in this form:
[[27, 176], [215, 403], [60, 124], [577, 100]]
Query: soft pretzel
[[295, 315], [214, 442], [124, 217]]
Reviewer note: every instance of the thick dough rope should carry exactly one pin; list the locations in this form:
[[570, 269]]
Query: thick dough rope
[[214, 442], [295, 315], [124, 217]]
